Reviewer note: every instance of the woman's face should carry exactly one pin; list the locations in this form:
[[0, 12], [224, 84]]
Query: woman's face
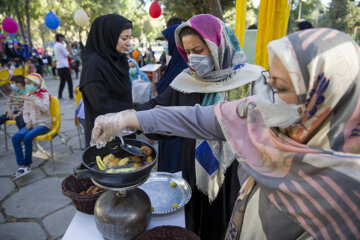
[[281, 82], [124, 41], [131, 65], [193, 44]]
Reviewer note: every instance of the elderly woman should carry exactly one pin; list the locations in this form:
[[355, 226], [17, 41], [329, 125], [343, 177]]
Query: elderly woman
[[217, 72], [298, 141]]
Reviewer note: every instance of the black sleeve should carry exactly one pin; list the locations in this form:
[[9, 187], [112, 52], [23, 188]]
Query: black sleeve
[[164, 99], [98, 95]]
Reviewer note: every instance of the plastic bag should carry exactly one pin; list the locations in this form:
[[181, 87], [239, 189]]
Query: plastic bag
[[140, 91]]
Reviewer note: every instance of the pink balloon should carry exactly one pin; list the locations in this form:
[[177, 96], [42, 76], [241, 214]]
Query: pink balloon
[[9, 25]]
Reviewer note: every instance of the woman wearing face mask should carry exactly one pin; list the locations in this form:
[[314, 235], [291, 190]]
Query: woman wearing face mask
[[170, 148], [135, 73], [15, 103], [303, 176], [37, 118], [104, 80], [217, 72]]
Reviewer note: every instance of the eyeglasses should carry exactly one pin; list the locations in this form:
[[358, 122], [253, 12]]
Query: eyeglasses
[[266, 78]]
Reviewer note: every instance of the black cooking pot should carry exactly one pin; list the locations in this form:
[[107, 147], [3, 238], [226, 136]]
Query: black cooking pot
[[116, 180]]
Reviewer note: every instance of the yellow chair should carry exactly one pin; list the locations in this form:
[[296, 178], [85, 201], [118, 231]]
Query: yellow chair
[[78, 96], [4, 79], [55, 127], [7, 122], [26, 70], [18, 71]]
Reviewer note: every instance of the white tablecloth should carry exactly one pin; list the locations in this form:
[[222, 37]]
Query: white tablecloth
[[83, 225]]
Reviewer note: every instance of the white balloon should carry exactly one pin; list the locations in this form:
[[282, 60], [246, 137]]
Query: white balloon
[[81, 18]]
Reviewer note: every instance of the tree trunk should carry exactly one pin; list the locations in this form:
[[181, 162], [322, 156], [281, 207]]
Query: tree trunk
[[18, 16], [79, 34], [215, 8], [27, 3]]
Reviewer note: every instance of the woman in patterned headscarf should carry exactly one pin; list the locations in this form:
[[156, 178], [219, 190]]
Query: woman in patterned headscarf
[[223, 76], [299, 141], [37, 118]]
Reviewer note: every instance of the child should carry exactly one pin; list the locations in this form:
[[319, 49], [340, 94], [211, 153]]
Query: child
[[135, 74], [16, 103], [37, 119]]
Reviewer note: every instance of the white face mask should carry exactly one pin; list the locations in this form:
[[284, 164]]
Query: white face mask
[[278, 114], [202, 64]]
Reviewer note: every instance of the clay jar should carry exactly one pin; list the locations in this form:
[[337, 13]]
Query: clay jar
[[122, 215]]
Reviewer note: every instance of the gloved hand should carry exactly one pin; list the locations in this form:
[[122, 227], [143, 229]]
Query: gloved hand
[[107, 126]]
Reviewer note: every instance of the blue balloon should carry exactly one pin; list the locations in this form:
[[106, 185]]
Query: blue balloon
[[52, 21], [11, 34]]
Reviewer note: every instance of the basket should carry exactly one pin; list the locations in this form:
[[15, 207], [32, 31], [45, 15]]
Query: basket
[[168, 232], [71, 188]]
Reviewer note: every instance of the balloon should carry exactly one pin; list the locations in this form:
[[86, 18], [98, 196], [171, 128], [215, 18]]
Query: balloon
[[9, 25], [52, 21], [135, 54], [81, 18], [11, 35], [155, 10]]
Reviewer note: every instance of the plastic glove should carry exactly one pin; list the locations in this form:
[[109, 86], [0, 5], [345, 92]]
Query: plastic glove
[[107, 126]]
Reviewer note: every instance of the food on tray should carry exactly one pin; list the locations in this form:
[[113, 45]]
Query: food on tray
[[174, 205], [146, 150], [113, 164], [173, 184], [92, 190]]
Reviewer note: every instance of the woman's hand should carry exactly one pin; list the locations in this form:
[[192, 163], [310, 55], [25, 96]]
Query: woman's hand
[[108, 125]]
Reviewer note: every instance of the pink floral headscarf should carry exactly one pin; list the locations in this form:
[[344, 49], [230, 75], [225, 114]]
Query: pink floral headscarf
[[312, 174]]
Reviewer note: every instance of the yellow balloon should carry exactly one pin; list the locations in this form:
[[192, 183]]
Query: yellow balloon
[[81, 18]]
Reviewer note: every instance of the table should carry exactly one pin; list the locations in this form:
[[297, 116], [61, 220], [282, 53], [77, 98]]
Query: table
[[154, 73], [83, 225]]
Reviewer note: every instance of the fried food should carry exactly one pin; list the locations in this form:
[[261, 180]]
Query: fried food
[[108, 158], [123, 161], [135, 159], [92, 190], [100, 163], [146, 150], [149, 159]]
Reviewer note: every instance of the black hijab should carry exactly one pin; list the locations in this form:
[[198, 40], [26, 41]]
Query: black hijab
[[101, 61]]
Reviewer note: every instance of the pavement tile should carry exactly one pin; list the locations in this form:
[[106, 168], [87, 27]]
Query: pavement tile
[[6, 187], [37, 199], [21, 231], [64, 163], [8, 163], [57, 228], [35, 175]]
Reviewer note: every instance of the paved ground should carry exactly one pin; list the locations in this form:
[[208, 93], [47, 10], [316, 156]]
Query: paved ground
[[34, 207]]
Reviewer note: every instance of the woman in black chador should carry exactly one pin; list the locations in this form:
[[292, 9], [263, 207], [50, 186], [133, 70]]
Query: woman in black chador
[[104, 81]]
